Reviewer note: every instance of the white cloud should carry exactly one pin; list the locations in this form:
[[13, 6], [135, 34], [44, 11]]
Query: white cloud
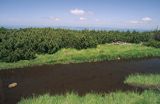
[[146, 19], [78, 12], [82, 18]]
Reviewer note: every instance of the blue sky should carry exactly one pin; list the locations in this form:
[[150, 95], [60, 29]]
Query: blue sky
[[144, 14]]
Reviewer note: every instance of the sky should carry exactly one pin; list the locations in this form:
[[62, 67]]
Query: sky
[[142, 14]]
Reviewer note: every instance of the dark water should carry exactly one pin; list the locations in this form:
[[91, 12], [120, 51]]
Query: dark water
[[82, 78]]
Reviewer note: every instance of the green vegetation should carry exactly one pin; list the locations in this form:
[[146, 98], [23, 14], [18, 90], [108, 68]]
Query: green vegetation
[[144, 80], [157, 36], [147, 97], [37, 46], [24, 44], [153, 43], [101, 53]]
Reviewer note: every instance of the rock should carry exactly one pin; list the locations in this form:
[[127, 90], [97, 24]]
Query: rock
[[12, 85]]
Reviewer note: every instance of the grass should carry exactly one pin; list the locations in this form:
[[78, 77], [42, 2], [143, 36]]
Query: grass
[[144, 80], [101, 53], [146, 97]]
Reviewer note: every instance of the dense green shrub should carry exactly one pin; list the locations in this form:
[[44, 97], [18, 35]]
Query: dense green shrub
[[85, 41], [20, 44], [16, 55], [157, 36], [153, 43]]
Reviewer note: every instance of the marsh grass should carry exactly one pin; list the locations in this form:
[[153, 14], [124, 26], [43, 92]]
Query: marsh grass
[[146, 97], [101, 53], [144, 80]]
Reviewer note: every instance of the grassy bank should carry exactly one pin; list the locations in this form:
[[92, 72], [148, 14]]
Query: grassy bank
[[147, 97], [101, 53], [144, 80]]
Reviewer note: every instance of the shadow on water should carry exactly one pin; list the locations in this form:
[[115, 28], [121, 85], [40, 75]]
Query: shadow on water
[[82, 78]]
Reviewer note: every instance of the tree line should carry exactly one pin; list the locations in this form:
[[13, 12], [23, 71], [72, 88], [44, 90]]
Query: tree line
[[24, 44]]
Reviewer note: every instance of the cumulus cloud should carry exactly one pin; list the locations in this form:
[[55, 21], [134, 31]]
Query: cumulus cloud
[[82, 18], [78, 12], [146, 19]]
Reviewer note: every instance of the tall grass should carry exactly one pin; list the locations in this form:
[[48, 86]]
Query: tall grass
[[100, 53], [147, 97], [144, 80]]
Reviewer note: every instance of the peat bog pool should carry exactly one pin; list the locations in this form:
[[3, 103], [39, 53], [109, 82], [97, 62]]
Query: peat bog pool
[[82, 78]]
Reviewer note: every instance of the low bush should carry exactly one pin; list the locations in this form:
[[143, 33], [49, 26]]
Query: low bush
[[16, 55], [153, 43], [157, 36]]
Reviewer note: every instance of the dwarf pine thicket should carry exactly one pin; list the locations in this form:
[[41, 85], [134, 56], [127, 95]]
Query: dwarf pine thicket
[[24, 44]]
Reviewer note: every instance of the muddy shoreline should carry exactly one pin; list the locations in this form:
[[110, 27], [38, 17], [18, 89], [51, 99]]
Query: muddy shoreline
[[98, 77]]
